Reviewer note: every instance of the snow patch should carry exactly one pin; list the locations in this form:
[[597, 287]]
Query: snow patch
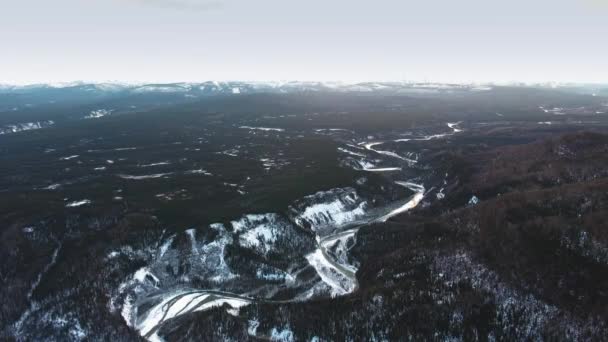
[[152, 176], [78, 203], [259, 231], [410, 204], [155, 164], [356, 154], [474, 200], [339, 282], [95, 114], [27, 126], [180, 303], [335, 207], [282, 335], [263, 128], [252, 327]]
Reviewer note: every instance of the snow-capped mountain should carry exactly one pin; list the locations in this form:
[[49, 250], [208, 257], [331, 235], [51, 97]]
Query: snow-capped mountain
[[238, 87]]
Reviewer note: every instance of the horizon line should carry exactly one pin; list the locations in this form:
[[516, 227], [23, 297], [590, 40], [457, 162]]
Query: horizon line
[[286, 81]]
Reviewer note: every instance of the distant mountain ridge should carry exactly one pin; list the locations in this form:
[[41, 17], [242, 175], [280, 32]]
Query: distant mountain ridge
[[238, 87]]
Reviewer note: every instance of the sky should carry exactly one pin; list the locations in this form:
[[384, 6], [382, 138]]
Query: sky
[[313, 40]]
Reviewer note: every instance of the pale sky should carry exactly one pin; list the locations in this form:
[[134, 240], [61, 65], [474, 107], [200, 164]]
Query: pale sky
[[337, 40]]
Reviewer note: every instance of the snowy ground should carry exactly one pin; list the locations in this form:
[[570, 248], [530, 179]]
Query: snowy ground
[[333, 217]]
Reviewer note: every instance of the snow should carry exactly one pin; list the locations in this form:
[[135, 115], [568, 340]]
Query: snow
[[236, 90], [454, 126], [212, 256], [333, 130], [252, 327], [440, 195], [127, 310], [160, 89], [382, 169], [370, 147], [152, 282], [26, 126], [180, 303], [192, 234], [481, 88], [144, 275], [277, 276], [263, 128], [47, 267], [583, 243], [555, 110], [155, 175], [474, 200], [339, 282], [259, 231], [53, 186], [355, 147], [198, 172], [425, 138], [165, 246], [525, 315], [356, 154], [78, 203], [283, 335], [248, 221], [269, 163], [411, 186], [412, 203], [335, 212], [155, 164], [335, 270], [451, 125], [365, 165], [95, 114], [113, 254], [260, 237], [77, 333], [232, 152], [339, 244], [407, 206]]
